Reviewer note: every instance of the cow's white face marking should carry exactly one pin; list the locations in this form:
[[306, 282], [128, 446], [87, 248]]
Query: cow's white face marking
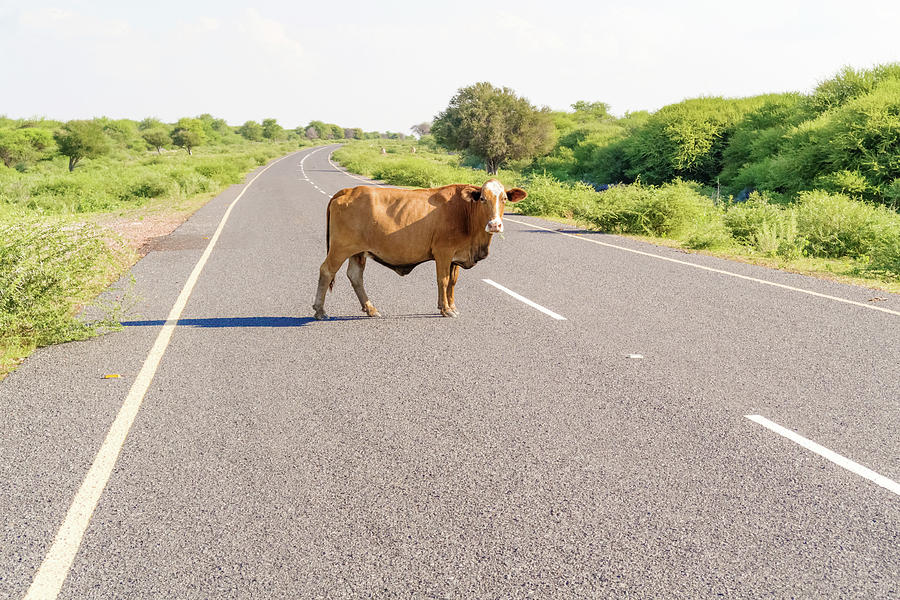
[[493, 193], [495, 187]]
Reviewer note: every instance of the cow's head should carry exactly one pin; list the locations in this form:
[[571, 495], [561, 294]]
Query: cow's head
[[494, 198]]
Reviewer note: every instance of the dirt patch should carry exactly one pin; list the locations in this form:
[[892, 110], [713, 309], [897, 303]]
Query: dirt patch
[[144, 232]]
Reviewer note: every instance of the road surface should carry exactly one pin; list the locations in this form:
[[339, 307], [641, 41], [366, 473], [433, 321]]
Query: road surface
[[248, 451]]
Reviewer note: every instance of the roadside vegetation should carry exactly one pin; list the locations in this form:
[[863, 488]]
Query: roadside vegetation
[[809, 183], [66, 188]]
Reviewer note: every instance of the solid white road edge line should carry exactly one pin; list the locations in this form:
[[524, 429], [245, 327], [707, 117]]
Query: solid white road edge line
[[696, 266], [55, 568], [347, 173], [521, 298], [824, 452]]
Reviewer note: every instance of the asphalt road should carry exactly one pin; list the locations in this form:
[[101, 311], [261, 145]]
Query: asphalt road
[[503, 454]]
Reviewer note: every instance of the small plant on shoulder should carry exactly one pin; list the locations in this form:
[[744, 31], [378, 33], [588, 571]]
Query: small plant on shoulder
[[106, 312]]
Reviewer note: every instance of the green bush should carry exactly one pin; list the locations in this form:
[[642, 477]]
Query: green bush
[[687, 139], [549, 196], [148, 185], [834, 225], [220, 171], [767, 228], [47, 270], [886, 255], [189, 181], [399, 167], [677, 210], [849, 84]]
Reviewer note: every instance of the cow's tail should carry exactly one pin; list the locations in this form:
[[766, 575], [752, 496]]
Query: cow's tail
[[328, 224], [328, 237]]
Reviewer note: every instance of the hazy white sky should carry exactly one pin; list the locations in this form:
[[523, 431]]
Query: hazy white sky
[[385, 65]]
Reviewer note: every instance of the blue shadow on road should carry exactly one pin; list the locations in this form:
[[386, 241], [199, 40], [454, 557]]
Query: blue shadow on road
[[228, 322], [571, 231], [217, 322]]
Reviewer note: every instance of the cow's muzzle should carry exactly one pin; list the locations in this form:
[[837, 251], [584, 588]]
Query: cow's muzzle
[[494, 226]]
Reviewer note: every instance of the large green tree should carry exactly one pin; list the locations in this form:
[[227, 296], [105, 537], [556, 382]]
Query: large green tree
[[81, 139], [271, 130], [252, 131], [157, 136], [495, 125], [188, 134]]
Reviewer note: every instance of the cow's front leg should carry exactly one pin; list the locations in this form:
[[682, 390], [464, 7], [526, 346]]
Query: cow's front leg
[[454, 276], [443, 282]]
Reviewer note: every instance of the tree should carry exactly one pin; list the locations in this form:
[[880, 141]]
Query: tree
[[312, 133], [323, 130], [495, 125], [585, 110], [422, 129], [81, 139], [21, 146], [188, 134], [252, 131], [271, 130], [150, 123], [157, 137], [216, 130]]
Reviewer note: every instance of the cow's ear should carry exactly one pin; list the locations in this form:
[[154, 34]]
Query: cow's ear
[[516, 194], [472, 194]]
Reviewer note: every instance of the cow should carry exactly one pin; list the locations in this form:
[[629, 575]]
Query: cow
[[402, 228]]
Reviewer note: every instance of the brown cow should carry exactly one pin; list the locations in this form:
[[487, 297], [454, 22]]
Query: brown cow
[[451, 225]]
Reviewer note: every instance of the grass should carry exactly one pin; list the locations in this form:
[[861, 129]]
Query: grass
[[56, 251], [49, 268], [822, 234]]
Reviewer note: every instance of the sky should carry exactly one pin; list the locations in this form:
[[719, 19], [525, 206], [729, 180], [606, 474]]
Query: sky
[[386, 65]]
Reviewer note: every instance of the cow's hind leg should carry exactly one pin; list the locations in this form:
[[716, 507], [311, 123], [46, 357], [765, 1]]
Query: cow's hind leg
[[327, 271], [355, 272]]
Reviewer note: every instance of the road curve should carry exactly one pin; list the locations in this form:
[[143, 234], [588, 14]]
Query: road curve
[[506, 453]]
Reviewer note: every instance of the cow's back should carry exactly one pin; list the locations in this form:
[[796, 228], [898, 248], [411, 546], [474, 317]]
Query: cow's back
[[397, 227]]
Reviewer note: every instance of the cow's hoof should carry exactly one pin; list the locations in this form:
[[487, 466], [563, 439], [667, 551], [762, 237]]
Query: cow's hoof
[[321, 316], [450, 313], [370, 310]]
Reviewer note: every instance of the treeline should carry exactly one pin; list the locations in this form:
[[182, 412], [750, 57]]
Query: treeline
[[25, 142], [844, 138]]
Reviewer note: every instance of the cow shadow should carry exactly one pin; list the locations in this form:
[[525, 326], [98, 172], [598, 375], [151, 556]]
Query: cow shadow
[[571, 231], [274, 322]]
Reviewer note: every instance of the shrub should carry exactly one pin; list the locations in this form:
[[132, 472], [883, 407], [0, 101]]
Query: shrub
[[834, 225], [671, 210], [852, 183], [148, 185], [189, 181], [686, 139], [47, 270], [219, 170], [767, 228], [548, 196], [849, 84], [886, 255]]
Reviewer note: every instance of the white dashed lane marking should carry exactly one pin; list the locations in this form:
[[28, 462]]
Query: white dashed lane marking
[[824, 452], [525, 300]]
